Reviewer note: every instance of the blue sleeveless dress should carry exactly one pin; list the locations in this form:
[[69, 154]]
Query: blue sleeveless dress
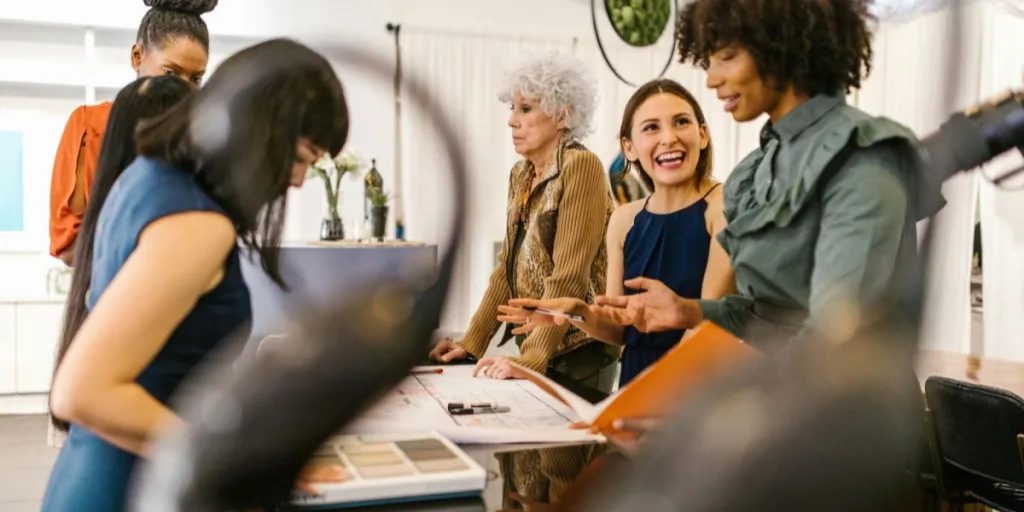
[[671, 248], [91, 475]]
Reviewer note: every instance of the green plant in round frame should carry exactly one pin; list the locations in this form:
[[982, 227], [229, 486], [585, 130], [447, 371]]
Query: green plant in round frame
[[639, 22]]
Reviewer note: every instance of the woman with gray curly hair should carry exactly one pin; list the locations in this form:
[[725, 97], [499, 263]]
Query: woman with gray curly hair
[[558, 208]]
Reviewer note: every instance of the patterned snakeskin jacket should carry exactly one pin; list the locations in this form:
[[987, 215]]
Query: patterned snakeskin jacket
[[554, 247]]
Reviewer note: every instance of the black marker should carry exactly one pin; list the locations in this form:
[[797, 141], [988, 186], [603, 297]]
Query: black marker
[[459, 405], [479, 410]]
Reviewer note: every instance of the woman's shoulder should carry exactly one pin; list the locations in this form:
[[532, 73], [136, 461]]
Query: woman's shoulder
[[580, 165], [150, 184], [713, 194], [85, 119], [853, 126], [94, 116], [98, 114], [623, 217], [577, 155], [97, 111], [630, 209], [714, 199]]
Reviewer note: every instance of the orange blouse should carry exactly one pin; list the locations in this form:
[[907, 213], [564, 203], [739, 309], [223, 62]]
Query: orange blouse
[[79, 147]]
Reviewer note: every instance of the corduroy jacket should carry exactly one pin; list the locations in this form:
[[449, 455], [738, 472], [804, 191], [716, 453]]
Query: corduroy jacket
[[554, 247]]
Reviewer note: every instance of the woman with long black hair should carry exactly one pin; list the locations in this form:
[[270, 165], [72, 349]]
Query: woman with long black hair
[[143, 99], [165, 284]]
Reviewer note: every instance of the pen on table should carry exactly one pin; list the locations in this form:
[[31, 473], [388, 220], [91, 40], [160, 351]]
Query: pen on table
[[479, 410], [459, 405], [570, 316], [428, 372]]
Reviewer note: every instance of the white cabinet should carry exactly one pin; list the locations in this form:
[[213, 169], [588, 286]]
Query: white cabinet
[[29, 333], [38, 329], [8, 351]]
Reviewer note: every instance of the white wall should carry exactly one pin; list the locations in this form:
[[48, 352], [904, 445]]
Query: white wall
[[547, 19]]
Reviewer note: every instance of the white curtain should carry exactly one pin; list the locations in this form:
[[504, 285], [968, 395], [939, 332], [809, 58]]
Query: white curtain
[[908, 84], [464, 72], [1002, 211]]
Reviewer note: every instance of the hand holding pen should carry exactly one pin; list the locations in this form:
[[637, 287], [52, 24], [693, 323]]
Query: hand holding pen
[[529, 314]]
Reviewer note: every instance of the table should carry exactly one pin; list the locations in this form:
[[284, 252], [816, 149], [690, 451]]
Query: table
[[526, 467], [999, 373], [321, 273], [521, 467]]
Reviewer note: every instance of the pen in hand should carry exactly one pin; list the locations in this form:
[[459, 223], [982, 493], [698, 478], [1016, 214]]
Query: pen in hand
[[428, 372], [570, 316]]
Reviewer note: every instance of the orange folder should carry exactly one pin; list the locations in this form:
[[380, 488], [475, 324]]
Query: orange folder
[[708, 352]]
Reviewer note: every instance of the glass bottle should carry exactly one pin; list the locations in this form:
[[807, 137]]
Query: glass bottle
[[372, 179]]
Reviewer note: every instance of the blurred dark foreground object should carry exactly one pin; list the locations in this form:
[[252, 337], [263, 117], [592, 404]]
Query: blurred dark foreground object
[[826, 427], [251, 429]]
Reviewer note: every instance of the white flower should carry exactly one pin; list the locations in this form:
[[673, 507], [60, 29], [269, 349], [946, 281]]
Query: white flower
[[348, 160], [324, 163]]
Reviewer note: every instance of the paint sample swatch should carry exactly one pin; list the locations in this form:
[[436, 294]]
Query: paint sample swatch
[[382, 468], [430, 456]]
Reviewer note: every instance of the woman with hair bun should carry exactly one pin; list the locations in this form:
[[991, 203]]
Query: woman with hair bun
[[172, 40]]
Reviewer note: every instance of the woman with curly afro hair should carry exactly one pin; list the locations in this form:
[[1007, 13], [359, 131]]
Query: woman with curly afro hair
[[821, 217]]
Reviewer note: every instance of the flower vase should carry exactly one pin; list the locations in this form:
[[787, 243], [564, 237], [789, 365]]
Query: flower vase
[[379, 218], [331, 227]]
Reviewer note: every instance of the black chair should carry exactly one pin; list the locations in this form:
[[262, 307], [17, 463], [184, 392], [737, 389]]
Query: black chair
[[922, 469], [976, 434]]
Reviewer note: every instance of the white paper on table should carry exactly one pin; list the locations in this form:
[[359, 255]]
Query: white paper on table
[[581, 407], [420, 402]]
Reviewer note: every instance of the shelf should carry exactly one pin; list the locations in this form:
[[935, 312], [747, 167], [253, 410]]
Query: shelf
[[74, 34], [74, 71], [57, 91], [34, 299], [42, 90], [41, 33]]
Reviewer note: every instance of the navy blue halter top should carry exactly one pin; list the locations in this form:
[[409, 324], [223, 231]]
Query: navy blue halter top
[[671, 248]]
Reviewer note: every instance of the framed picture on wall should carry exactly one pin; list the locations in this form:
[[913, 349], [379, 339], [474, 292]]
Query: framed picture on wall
[[30, 129], [12, 203]]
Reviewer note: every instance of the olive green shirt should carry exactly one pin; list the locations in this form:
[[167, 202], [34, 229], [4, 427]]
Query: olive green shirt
[[821, 214]]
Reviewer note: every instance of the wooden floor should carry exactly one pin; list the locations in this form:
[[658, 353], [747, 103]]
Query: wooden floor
[[25, 462]]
